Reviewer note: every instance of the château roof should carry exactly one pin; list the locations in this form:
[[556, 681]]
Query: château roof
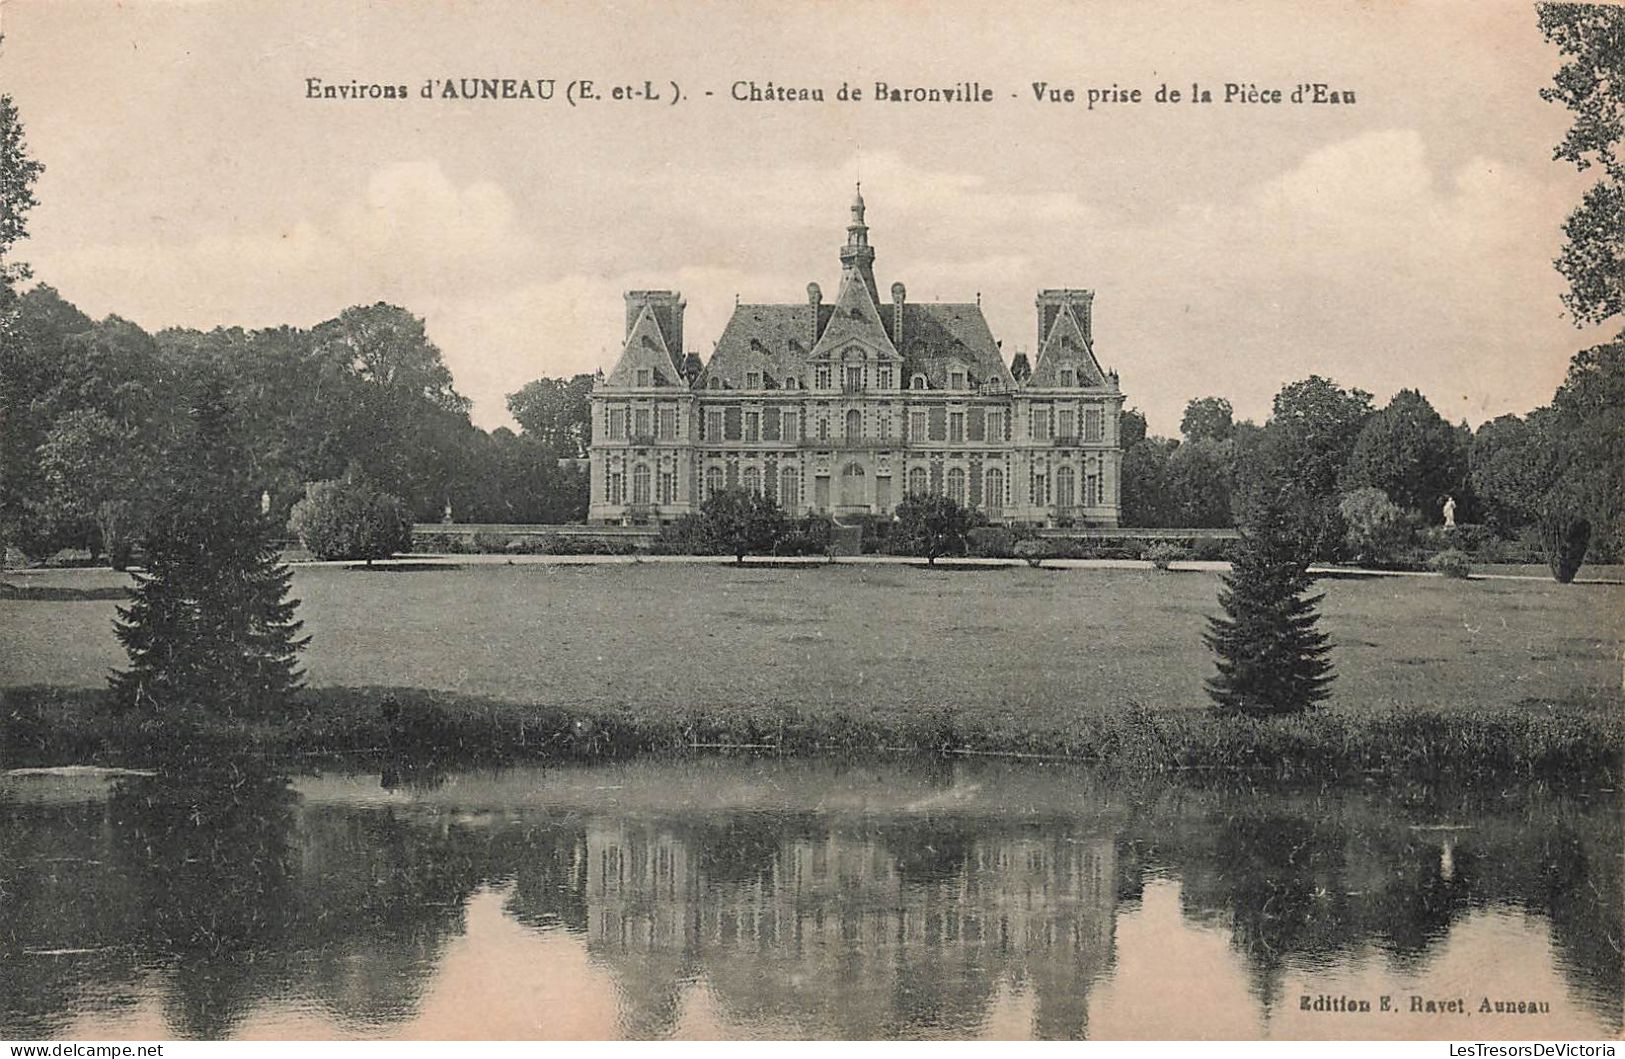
[[1066, 346], [645, 348]]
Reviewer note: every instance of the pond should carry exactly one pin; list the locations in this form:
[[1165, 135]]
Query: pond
[[749, 898]]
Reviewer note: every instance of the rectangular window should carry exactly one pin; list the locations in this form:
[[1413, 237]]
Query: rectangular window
[[753, 380], [995, 425], [1066, 425], [1068, 379], [1039, 422], [821, 377], [640, 423], [713, 424], [753, 426], [823, 428], [617, 422], [1092, 425], [956, 426], [854, 377], [883, 376], [667, 420], [916, 424], [792, 425], [883, 425], [644, 375], [770, 423], [956, 380]]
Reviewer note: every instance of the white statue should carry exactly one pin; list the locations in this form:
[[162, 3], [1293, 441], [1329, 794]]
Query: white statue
[[445, 516], [265, 501], [1449, 512]]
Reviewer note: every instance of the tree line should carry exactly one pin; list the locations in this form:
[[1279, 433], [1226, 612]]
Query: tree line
[[1367, 480], [90, 406]]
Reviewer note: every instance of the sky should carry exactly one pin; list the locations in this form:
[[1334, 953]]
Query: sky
[[1404, 241]]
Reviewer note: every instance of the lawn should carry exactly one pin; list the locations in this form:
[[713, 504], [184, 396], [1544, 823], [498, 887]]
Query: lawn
[[1003, 645]]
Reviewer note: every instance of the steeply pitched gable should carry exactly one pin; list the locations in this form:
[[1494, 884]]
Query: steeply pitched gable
[[645, 348], [854, 318], [1066, 347]]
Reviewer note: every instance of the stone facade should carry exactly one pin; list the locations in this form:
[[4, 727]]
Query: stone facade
[[846, 407]]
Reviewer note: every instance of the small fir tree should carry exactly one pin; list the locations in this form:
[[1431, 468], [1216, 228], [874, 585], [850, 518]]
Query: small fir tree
[[210, 626], [1271, 657]]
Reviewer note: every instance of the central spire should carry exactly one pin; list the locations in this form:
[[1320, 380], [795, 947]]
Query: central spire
[[857, 255]]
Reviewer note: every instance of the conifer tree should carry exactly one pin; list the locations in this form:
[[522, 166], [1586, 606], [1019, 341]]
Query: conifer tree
[[1272, 659], [210, 626]]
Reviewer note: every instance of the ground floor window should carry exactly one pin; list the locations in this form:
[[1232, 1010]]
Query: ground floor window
[[753, 480], [789, 489], [667, 488], [916, 481], [640, 484], [956, 485], [995, 489], [615, 488], [1065, 487], [713, 481]]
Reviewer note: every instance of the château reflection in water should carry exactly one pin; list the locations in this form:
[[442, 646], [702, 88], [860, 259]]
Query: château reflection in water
[[792, 899]]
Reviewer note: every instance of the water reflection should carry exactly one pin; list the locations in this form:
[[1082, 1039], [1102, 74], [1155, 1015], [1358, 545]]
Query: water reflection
[[799, 899]]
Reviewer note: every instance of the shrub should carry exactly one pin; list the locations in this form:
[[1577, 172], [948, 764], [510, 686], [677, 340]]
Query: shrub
[[991, 542], [347, 518], [1377, 531], [810, 535], [1162, 554], [740, 522], [1212, 549], [1452, 563], [1033, 551], [1565, 539], [933, 525]]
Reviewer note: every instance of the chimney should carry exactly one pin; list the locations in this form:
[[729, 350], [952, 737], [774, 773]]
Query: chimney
[[899, 294], [815, 298]]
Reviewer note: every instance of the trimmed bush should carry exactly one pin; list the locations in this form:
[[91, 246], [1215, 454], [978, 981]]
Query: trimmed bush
[[1033, 551], [1565, 540], [347, 518], [1452, 563], [1163, 554]]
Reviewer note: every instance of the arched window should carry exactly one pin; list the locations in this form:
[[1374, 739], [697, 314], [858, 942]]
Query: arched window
[[956, 484], [753, 480], [995, 489], [854, 425], [789, 382], [789, 489], [917, 382], [640, 484], [713, 482], [916, 481], [1066, 493]]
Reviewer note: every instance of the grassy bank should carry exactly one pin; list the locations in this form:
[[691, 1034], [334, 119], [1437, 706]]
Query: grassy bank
[[1502, 678], [1016, 646], [1558, 742]]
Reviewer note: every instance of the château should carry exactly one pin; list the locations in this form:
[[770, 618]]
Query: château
[[845, 407]]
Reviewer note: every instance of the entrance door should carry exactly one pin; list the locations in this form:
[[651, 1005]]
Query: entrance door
[[852, 486]]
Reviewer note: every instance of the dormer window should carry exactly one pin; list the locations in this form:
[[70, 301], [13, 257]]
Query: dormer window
[[821, 377], [714, 383], [956, 380], [643, 377], [883, 376], [753, 380], [789, 382], [917, 382], [1069, 378]]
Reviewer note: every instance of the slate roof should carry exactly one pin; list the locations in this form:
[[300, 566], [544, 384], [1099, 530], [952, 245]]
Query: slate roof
[[777, 340], [1066, 347], [645, 348]]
